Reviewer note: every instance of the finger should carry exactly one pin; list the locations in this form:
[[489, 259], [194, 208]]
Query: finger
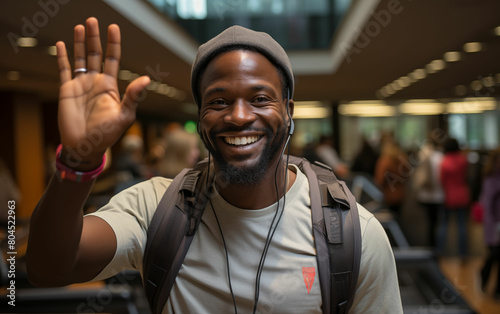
[[79, 47], [113, 51], [131, 98], [63, 62], [94, 48]]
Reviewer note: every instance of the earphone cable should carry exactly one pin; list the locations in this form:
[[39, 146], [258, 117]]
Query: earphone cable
[[272, 229], [227, 258]]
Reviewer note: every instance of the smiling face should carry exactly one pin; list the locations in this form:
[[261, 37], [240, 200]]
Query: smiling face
[[243, 117]]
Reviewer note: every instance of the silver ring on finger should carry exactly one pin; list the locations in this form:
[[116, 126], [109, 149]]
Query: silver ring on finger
[[80, 70]]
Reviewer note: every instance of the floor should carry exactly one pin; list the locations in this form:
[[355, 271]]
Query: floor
[[465, 277], [462, 274]]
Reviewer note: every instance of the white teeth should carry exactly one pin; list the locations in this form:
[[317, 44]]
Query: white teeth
[[239, 141]]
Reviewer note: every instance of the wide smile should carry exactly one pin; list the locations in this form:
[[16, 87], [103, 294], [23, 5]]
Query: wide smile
[[241, 140]]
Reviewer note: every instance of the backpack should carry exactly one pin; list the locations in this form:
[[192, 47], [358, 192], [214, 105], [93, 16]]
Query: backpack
[[336, 230]]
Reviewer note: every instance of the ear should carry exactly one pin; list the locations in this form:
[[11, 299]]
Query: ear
[[291, 107]]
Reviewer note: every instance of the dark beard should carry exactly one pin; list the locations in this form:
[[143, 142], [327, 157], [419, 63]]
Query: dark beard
[[248, 175]]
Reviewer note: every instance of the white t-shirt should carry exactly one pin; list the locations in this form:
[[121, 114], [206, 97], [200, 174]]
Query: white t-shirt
[[289, 281]]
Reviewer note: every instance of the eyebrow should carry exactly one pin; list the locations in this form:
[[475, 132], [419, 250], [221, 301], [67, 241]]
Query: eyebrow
[[213, 91], [254, 88]]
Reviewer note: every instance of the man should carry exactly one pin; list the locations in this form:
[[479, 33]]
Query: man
[[242, 83]]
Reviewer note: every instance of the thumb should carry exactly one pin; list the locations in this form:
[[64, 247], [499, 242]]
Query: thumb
[[133, 92]]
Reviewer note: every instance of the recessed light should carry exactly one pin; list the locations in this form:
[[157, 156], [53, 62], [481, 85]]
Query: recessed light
[[473, 47], [476, 85], [488, 81], [497, 30], [381, 93], [451, 56], [396, 85], [27, 42], [52, 50], [418, 74], [389, 89], [436, 65], [13, 75], [404, 81], [124, 75]]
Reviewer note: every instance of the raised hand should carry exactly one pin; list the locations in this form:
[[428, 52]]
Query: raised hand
[[91, 116]]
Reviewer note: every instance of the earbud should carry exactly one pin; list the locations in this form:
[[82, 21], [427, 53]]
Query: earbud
[[292, 124]]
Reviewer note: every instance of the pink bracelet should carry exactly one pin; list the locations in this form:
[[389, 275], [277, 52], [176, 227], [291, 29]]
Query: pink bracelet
[[73, 175]]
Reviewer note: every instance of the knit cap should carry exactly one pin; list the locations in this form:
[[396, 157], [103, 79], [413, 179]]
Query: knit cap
[[238, 36]]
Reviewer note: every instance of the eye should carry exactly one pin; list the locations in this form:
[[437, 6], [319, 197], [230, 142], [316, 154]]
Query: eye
[[261, 99], [216, 104]]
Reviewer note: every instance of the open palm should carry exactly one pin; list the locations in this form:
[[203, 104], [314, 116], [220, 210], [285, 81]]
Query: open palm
[[91, 116]]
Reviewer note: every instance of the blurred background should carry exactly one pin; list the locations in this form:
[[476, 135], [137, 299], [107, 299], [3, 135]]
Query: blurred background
[[381, 86]]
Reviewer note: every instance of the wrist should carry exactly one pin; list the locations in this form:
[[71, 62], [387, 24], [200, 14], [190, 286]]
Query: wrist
[[73, 160], [75, 169]]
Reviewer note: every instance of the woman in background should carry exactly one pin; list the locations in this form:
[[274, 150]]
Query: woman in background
[[453, 175], [490, 201]]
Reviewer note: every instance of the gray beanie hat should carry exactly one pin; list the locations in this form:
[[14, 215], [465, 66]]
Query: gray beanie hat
[[238, 36]]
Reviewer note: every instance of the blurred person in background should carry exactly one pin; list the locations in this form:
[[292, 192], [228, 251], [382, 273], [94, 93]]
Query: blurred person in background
[[428, 187], [181, 151], [389, 176], [329, 156], [365, 159], [453, 176], [490, 201]]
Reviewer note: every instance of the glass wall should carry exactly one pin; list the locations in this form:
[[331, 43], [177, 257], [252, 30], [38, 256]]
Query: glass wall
[[295, 24]]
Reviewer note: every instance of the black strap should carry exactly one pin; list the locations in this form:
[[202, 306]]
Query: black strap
[[171, 232], [337, 236]]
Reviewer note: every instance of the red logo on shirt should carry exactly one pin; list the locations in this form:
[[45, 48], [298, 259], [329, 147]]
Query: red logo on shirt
[[308, 273]]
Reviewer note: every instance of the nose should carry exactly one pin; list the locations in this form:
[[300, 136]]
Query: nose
[[240, 113]]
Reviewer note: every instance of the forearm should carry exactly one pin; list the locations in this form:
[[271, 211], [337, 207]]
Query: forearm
[[55, 232]]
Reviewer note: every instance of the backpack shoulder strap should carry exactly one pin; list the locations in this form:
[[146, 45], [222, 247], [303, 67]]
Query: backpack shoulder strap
[[170, 233], [337, 235]]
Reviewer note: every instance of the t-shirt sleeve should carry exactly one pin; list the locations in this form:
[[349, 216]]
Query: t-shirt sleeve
[[378, 288], [129, 214]]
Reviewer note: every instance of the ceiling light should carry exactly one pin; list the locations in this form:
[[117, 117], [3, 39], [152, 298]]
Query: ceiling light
[[310, 110], [371, 108], [395, 85], [460, 90], [389, 89], [476, 85], [422, 107], [162, 89], [13, 75], [418, 74], [381, 93], [52, 50], [435, 65], [311, 113], [472, 47], [27, 42], [404, 81], [497, 30], [472, 105], [451, 56], [152, 85], [488, 81], [124, 75]]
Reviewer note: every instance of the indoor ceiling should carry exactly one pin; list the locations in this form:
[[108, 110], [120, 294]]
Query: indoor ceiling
[[393, 39]]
